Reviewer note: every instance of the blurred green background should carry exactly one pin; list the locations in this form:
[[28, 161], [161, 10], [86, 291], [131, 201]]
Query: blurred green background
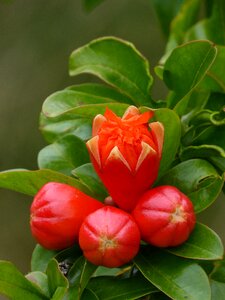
[[36, 39]]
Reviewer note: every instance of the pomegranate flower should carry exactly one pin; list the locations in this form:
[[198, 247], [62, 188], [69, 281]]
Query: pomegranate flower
[[126, 153]]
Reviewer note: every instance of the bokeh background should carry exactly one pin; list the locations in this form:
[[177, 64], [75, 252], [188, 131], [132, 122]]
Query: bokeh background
[[36, 39]]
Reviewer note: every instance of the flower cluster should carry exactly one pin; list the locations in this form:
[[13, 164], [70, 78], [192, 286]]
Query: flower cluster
[[126, 154]]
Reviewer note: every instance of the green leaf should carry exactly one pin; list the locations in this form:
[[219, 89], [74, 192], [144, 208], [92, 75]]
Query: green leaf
[[215, 79], [186, 67], [202, 151], [208, 28], [86, 175], [59, 293], [196, 178], [112, 288], [98, 91], [191, 104], [88, 111], [218, 290], [41, 280], [54, 128], [40, 258], [209, 117], [15, 286], [172, 128], [64, 155], [78, 277], [178, 278], [66, 100], [116, 62], [30, 182], [211, 135], [184, 19], [203, 243], [56, 279]]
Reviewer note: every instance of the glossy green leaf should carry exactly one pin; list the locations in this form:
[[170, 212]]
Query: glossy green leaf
[[59, 293], [203, 243], [212, 135], [54, 128], [191, 104], [112, 288], [40, 258], [196, 178], [41, 280], [215, 79], [66, 100], [98, 91], [87, 176], [30, 182], [63, 101], [109, 58], [15, 286], [208, 28], [177, 277], [209, 117], [78, 277], [202, 151], [89, 111], [56, 279], [186, 67], [172, 128], [218, 290], [64, 155]]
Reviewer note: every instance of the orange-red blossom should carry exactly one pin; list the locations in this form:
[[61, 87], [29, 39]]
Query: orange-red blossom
[[126, 153]]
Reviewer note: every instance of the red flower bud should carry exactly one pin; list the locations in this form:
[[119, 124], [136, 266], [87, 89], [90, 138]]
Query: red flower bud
[[109, 237], [126, 154], [57, 212], [165, 216]]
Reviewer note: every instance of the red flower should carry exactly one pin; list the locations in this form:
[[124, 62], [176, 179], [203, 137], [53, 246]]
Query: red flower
[[126, 153]]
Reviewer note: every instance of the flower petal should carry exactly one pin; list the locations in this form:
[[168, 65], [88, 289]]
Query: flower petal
[[115, 154], [157, 130], [97, 123], [92, 146], [146, 150], [130, 112]]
